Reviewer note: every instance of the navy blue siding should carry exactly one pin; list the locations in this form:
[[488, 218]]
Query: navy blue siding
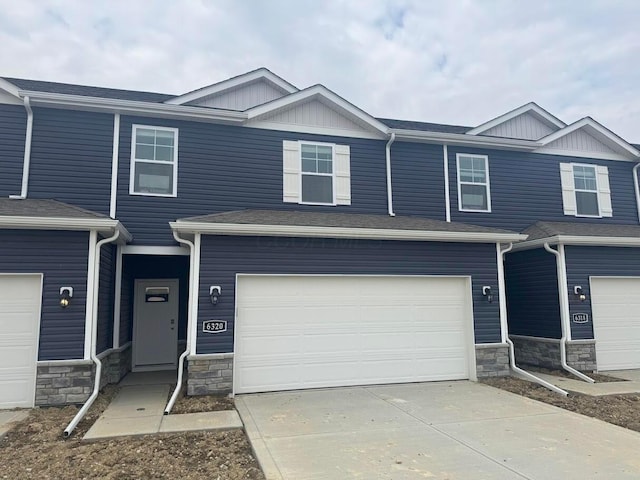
[[533, 304], [105, 298], [62, 258], [13, 124], [583, 262], [418, 180], [224, 257], [71, 156], [223, 168], [525, 188]]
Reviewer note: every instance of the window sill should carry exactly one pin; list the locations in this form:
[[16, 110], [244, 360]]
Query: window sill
[[141, 194], [318, 204], [473, 211], [588, 216]]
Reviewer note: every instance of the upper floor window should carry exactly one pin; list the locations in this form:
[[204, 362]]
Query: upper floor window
[[154, 161], [473, 183], [316, 173], [585, 190]]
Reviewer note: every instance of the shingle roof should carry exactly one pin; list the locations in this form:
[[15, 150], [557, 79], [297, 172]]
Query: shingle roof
[[423, 126], [87, 91], [44, 208], [551, 229], [340, 220]]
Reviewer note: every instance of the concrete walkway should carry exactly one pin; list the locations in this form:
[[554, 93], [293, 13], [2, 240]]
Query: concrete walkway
[[443, 430], [138, 409], [631, 385], [9, 418]]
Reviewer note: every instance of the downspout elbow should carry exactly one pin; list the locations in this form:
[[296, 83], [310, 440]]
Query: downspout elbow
[[392, 139]]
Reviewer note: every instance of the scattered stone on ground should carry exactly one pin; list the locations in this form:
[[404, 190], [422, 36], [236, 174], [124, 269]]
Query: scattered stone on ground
[[598, 377], [622, 410]]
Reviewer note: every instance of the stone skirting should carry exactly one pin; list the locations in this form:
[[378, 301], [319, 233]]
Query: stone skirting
[[492, 360], [63, 382], [115, 365], [545, 352], [209, 374]]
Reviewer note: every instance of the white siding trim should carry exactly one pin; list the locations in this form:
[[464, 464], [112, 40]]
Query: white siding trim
[[117, 298], [195, 278], [91, 266], [114, 165], [150, 250], [447, 194], [527, 108]]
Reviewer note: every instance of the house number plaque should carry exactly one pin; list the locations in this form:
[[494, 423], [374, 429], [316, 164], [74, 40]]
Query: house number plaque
[[214, 326], [580, 317]]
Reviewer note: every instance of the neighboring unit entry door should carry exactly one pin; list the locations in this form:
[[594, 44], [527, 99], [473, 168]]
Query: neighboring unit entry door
[[155, 325]]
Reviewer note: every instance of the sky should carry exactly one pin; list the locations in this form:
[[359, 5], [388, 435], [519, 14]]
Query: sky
[[461, 62]]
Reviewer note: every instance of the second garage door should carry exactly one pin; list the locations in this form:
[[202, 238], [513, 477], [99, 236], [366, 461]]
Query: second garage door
[[295, 332], [616, 322]]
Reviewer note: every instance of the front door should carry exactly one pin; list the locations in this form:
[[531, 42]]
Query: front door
[[155, 325]]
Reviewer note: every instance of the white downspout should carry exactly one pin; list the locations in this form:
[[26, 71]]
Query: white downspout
[[505, 326], [637, 187], [27, 152], [447, 201], [94, 335], [193, 296], [389, 187], [564, 310]]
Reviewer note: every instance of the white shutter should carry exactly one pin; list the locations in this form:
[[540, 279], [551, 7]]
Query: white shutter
[[342, 166], [604, 192], [291, 171], [568, 189]]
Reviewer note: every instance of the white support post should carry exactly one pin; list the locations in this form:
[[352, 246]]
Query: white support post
[[91, 265], [196, 287], [117, 298]]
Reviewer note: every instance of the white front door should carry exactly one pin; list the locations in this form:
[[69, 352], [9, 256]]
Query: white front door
[[155, 324], [20, 300], [295, 332]]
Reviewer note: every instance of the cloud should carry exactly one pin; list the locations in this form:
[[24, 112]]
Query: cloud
[[457, 61]]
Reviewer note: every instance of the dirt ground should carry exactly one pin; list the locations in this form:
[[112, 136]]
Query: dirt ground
[[35, 449], [622, 410], [598, 377], [201, 403]]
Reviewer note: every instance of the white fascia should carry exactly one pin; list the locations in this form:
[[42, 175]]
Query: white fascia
[[318, 91], [463, 139], [65, 223], [9, 87], [530, 107], [597, 130], [342, 232], [250, 77], [580, 240], [132, 107]]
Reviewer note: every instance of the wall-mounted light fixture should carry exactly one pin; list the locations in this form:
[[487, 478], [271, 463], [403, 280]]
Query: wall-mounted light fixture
[[578, 292], [214, 293], [65, 296], [486, 291]]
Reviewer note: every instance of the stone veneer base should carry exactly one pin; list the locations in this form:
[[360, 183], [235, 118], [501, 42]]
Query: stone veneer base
[[492, 360], [209, 374], [545, 352]]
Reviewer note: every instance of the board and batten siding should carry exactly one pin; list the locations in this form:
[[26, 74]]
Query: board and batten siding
[[583, 262], [524, 126], [105, 298], [533, 305], [224, 168], [241, 98], [71, 155], [13, 125], [525, 188], [225, 256], [62, 258]]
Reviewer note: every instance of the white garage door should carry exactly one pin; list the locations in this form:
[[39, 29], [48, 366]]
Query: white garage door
[[20, 298], [322, 331], [616, 322]]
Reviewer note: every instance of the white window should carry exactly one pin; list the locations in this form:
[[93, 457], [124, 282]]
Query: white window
[[473, 183], [585, 190], [154, 161], [316, 173]]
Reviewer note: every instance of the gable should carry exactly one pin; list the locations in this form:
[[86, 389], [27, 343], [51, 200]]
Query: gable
[[525, 127], [580, 141], [242, 97]]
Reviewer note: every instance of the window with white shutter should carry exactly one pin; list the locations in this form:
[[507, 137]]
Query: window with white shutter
[[316, 173], [585, 190]]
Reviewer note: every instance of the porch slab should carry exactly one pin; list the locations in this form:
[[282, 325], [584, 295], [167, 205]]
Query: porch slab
[[162, 377], [9, 418], [593, 389], [139, 401], [191, 422]]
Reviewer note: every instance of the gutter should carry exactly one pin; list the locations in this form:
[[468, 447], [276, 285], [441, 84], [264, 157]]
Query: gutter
[[94, 335], [579, 240], [389, 186], [637, 187], [564, 310], [27, 151], [504, 323], [465, 139], [65, 223], [193, 298]]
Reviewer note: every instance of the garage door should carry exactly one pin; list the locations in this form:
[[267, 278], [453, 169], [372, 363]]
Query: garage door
[[20, 298], [323, 331], [616, 322]]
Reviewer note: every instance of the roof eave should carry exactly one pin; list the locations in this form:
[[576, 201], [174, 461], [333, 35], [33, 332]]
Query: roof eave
[[579, 240], [465, 139], [342, 232], [65, 223]]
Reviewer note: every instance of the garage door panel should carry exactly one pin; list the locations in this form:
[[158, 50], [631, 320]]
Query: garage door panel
[[307, 332]]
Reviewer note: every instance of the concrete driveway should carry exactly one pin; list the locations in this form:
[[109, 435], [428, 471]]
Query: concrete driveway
[[444, 430]]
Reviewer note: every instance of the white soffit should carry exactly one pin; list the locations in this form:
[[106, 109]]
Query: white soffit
[[259, 75], [531, 112]]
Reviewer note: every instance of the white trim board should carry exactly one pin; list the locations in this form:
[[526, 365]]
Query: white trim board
[[531, 107], [65, 223], [152, 250], [578, 241]]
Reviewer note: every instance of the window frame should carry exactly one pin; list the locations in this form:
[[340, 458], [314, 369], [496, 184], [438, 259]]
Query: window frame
[[332, 174], [576, 190], [133, 161], [486, 184]]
